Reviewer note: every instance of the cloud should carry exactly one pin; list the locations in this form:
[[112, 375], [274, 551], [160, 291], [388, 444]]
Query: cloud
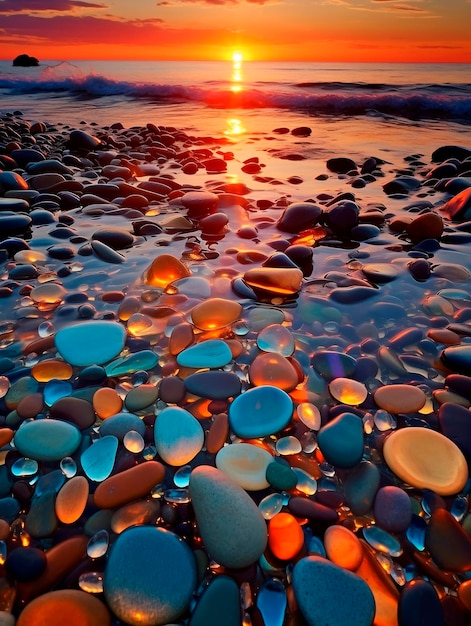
[[174, 3], [58, 6]]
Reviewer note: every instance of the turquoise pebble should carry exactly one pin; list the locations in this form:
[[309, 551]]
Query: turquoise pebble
[[41, 520], [90, 343], [212, 353], [178, 436], [361, 486], [317, 583], [9, 509], [143, 360], [56, 389], [150, 576], [281, 476], [120, 424], [382, 541], [47, 439], [341, 440], [218, 605], [98, 459], [260, 412]]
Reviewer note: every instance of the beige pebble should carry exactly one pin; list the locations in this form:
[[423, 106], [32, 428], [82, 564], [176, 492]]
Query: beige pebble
[[400, 398]]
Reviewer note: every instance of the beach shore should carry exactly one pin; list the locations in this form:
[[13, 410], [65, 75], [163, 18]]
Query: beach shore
[[251, 342]]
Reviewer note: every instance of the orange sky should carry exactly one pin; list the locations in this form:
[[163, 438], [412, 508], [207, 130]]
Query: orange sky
[[310, 30]]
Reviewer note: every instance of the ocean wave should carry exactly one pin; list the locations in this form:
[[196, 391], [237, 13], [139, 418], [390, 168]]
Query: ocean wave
[[448, 102]]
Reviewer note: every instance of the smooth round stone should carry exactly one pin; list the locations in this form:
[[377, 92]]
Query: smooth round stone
[[259, 318], [150, 576], [330, 364], [425, 226], [348, 391], [26, 563], [343, 547], [212, 353], [199, 203], [215, 313], [393, 509], [299, 216], [317, 583], [285, 536], [171, 390], [315, 511], [164, 270], [106, 253], [131, 484], [9, 509], [72, 500], [275, 280], [232, 528], [74, 410], [276, 338], [90, 343], [341, 440], [400, 398], [418, 597], [141, 397], [98, 459], [181, 337], [457, 359], [30, 405], [213, 385], [178, 436], [143, 360], [260, 412], [13, 223], [120, 424], [455, 422], [49, 293], [19, 390], [135, 514], [45, 371], [217, 434], [41, 521], [115, 238], [361, 486], [218, 605], [245, 464], [107, 402], [341, 165], [426, 459], [47, 439], [280, 475], [65, 606], [448, 542], [273, 369]]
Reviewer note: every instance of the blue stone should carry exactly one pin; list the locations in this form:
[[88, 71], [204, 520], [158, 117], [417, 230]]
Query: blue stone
[[214, 385], [143, 360], [90, 343], [212, 353], [120, 424], [97, 460], [361, 486], [419, 598], [260, 411], [47, 439], [341, 440]]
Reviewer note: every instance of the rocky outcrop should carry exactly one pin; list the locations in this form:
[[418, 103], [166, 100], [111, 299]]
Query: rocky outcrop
[[24, 60]]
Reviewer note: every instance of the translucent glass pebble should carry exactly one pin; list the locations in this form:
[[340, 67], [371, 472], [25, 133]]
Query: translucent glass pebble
[[72, 500], [143, 360], [50, 369], [24, 467], [56, 389], [45, 329], [215, 313], [306, 483], [384, 421], [164, 270], [288, 445], [181, 477], [245, 464], [309, 415], [276, 338], [416, 532], [133, 441], [91, 582], [348, 391], [177, 496], [273, 369], [97, 460], [271, 505], [68, 466], [98, 544], [4, 386], [382, 541], [271, 602], [107, 402]]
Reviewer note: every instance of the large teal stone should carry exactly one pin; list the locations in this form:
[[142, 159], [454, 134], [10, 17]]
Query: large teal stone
[[341, 440], [260, 411], [90, 343], [218, 605], [361, 486], [47, 439], [120, 424], [212, 353], [150, 576], [143, 360], [98, 459]]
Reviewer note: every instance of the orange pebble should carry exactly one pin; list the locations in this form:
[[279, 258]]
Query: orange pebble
[[65, 606], [72, 499], [44, 371], [165, 269], [217, 434], [129, 485], [107, 402], [6, 435], [285, 536]]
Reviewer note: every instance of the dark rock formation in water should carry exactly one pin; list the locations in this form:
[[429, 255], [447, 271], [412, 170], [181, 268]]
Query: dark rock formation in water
[[24, 60]]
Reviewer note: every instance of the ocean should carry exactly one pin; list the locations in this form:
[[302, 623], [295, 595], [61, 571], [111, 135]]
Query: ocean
[[383, 106]]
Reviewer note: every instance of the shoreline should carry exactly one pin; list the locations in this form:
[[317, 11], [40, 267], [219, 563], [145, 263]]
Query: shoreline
[[152, 272]]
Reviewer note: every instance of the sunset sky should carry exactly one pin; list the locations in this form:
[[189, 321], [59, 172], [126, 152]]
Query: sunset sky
[[310, 30]]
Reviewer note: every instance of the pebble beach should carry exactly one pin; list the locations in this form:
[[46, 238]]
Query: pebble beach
[[234, 379]]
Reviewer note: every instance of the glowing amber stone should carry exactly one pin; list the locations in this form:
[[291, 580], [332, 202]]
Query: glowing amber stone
[[6, 435], [343, 547], [107, 402], [273, 369], [348, 391], [276, 280], [285, 536], [72, 500], [165, 269], [65, 606], [48, 293], [51, 369], [181, 337], [215, 313]]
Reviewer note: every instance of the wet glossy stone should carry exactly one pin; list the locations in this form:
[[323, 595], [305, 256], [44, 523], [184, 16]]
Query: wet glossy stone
[[171, 390], [74, 410], [178, 436], [285, 536], [107, 402], [47, 439], [212, 353], [454, 422], [400, 398], [273, 369], [98, 459], [276, 338], [316, 584], [131, 484], [299, 216], [426, 459], [215, 313], [213, 385], [41, 521], [275, 280], [393, 509], [259, 412], [164, 270], [381, 540], [26, 563], [70, 606], [235, 537], [348, 391], [141, 397], [51, 369], [134, 514], [143, 360], [218, 605], [332, 365], [20, 389], [72, 500], [120, 424], [448, 543], [199, 203], [280, 475], [245, 464], [361, 486], [457, 359], [141, 589], [29, 406], [341, 440], [343, 547], [419, 597], [90, 343]]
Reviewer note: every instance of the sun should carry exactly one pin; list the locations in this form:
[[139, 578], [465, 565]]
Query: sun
[[237, 57]]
